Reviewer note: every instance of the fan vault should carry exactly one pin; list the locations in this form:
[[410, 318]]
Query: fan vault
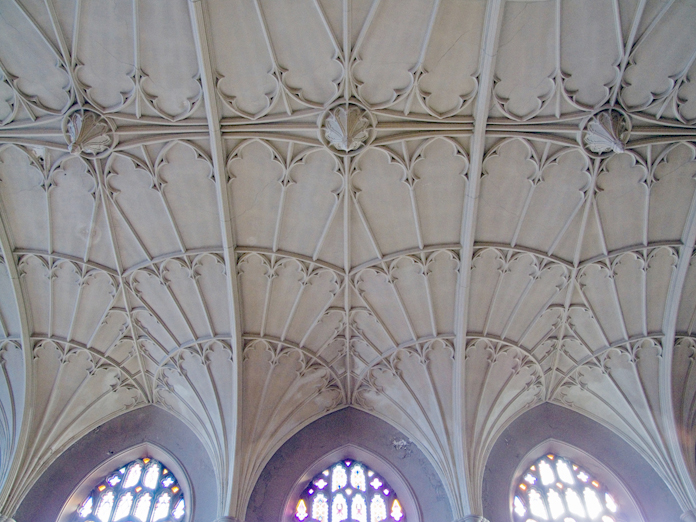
[[191, 217]]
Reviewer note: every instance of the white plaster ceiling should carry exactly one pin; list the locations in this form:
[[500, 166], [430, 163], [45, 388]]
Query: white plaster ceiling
[[472, 261]]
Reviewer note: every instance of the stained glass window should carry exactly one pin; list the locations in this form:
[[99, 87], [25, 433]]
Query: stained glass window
[[142, 491], [348, 490], [555, 488]]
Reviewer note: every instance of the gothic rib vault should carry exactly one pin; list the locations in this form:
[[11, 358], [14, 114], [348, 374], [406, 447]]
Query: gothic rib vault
[[193, 216]]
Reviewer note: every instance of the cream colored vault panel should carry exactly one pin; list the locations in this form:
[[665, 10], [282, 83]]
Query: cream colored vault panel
[[253, 213]]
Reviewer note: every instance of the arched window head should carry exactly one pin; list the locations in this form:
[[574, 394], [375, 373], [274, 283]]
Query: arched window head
[[141, 491], [555, 488], [349, 491]]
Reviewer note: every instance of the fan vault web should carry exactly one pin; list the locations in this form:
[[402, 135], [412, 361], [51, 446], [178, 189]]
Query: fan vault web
[[472, 258]]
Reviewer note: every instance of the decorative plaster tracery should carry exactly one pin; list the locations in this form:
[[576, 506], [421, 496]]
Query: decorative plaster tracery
[[447, 255]]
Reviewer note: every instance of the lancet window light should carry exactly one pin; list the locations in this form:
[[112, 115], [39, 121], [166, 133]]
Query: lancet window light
[[141, 491], [555, 488], [349, 490]]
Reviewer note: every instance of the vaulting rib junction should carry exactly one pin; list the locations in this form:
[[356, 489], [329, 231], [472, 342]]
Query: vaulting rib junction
[[253, 214]]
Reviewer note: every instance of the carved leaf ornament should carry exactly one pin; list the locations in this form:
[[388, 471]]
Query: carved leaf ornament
[[88, 132], [607, 131], [347, 127]]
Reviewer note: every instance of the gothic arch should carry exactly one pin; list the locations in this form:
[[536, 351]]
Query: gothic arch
[[358, 435], [629, 509], [121, 440], [548, 427]]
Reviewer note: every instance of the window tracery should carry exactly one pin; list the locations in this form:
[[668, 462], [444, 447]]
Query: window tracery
[[349, 490], [555, 488], [143, 490]]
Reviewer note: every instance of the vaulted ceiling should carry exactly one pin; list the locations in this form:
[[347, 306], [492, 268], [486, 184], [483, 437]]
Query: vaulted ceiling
[[491, 240]]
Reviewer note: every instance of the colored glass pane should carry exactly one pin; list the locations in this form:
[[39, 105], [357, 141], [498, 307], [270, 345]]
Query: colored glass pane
[[179, 510], [357, 477], [151, 476], [537, 506], [128, 493], [86, 507], [320, 508], [554, 488], [358, 509], [301, 512], [133, 476], [123, 506], [339, 508], [519, 507], [378, 509], [161, 507], [142, 508], [105, 505], [340, 493], [339, 478]]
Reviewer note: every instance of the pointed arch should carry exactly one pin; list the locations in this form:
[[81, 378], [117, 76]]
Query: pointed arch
[[548, 424], [149, 429], [354, 434]]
